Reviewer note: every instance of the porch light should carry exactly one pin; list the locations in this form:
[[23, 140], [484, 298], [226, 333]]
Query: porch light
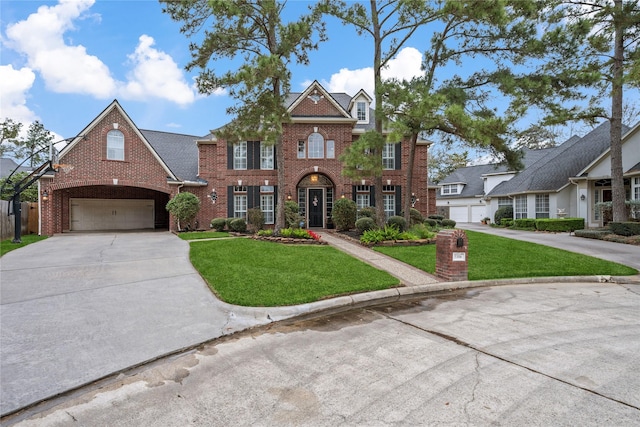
[[288, 196], [343, 196], [314, 178], [45, 195]]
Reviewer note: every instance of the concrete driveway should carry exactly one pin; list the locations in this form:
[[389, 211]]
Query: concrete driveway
[[78, 307], [534, 355]]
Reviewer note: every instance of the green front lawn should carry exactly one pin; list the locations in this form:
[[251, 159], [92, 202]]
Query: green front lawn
[[256, 273], [198, 235], [7, 246], [495, 257]]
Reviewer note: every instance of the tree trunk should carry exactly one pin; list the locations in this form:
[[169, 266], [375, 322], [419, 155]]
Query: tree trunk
[[406, 203], [617, 173], [280, 217], [377, 77]]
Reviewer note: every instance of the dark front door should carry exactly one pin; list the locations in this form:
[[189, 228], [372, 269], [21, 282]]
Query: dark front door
[[316, 209]]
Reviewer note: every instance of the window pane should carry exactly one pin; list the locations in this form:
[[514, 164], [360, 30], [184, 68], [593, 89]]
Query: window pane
[[266, 156], [388, 156], [301, 150], [389, 205], [331, 150], [115, 145], [362, 201], [266, 205], [542, 206], [362, 111], [521, 207], [316, 146], [240, 155], [240, 207]]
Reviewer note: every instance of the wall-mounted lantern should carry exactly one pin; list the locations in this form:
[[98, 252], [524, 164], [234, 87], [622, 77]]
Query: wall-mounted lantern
[[45, 195]]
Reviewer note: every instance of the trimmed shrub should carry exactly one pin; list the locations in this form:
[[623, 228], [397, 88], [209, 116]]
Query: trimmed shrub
[[365, 224], [448, 223], [507, 222], [229, 222], [265, 233], [422, 231], [369, 212], [560, 224], [415, 217], [219, 224], [436, 217], [625, 228], [525, 223], [430, 222], [184, 207], [503, 212], [592, 234], [255, 218], [344, 214], [292, 217], [379, 235], [239, 225], [398, 222]]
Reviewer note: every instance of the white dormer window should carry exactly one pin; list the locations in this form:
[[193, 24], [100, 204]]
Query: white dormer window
[[361, 111], [450, 189]]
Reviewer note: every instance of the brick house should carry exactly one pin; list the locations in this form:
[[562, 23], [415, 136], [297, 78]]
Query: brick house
[[122, 177]]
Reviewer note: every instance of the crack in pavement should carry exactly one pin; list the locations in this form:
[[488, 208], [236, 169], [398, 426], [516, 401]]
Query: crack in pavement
[[460, 342]]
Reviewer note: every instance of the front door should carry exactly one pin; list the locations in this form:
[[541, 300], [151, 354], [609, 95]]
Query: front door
[[316, 208]]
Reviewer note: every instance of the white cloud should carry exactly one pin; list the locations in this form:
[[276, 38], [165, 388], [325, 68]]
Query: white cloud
[[68, 68], [14, 86], [156, 74], [404, 66]]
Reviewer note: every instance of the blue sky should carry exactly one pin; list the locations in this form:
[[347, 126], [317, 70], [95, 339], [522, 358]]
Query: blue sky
[[64, 61]]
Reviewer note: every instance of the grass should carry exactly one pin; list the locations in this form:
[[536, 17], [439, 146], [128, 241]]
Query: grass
[[197, 235], [8, 246], [495, 257], [256, 273]]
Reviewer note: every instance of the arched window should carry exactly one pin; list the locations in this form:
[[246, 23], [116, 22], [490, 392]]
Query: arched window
[[316, 146], [115, 145]]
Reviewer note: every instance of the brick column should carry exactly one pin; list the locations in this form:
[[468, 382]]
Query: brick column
[[452, 255]]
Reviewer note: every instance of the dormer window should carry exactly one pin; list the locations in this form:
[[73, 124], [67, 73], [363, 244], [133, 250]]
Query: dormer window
[[450, 189], [361, 111]]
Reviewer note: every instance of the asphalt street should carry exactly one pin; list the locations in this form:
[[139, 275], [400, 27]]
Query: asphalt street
[[536, 355]]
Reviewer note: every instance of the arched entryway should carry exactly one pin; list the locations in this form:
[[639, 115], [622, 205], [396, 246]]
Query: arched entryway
[[315, 198]]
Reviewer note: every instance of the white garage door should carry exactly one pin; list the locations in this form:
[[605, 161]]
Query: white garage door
[[111, 214], [459, 213], [478, 212]]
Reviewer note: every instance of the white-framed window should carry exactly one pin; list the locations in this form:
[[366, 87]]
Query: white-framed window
[[361, 111], [504, 201], [316, 146], [636, 188], [331, 149], [542, 206], [240, 206], [449, 189], [389, 201], [115, 145], [597, 214], [520, 210], [301, 149], [389, 156], [267, 207], [363, 196], [240, 155], [266, 156]]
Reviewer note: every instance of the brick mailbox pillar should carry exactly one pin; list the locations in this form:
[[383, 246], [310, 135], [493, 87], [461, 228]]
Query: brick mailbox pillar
[[452, 261]]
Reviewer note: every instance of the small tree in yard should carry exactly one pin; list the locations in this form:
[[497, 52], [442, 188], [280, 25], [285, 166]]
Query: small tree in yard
[[184, 207], [344, 214]]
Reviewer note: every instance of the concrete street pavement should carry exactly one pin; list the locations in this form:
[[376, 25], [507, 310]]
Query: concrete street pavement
[[535, 355], [610, 251]]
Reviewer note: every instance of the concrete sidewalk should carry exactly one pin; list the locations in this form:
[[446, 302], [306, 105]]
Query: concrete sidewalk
[[408, 275]]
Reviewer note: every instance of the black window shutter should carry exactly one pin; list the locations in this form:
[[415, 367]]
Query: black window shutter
[[230, 212], [398, 155], [372, 195], [275, 158], [229, 156], [353, 193], [398, 199], [256, 154]]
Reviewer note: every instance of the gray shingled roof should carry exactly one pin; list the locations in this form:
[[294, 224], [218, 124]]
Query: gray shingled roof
[[343, 99], [552, 172], [178, 151]]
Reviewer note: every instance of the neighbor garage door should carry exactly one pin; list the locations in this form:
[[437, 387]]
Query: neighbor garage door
[[459, 213], [111, 214]]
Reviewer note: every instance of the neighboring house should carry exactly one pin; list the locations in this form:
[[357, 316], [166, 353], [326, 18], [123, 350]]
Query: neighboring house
[[7, 166], [462, 193], [565, 181], [121, 177]]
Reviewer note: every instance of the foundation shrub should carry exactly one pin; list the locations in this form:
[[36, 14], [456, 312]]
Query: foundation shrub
[[292, 217], [255, 218], [503, 212], [592, 234], [219, 224], [430, 222], [525, 223], [344, 214], [560, 224], [625, 228], [448, 223], [397, 221], [369, 212], [365, 224], [506, 222], [239, 225]]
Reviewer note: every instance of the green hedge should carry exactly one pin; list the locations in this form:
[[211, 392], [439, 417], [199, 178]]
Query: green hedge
[[507, 222], [525, 223], [625, 228], [559, 224], [592, 234]]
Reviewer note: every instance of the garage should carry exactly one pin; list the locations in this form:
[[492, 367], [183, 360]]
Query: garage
[[111, 214], [459, 213]]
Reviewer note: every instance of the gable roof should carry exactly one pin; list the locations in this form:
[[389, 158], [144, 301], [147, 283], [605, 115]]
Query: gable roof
[[552, 172], [178, 151], [293, 99], [115, 105]]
